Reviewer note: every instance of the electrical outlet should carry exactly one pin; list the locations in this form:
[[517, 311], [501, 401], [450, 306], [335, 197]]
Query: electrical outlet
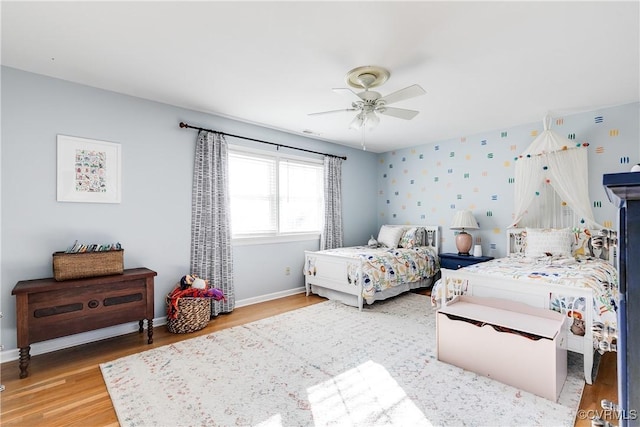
[[287, 271]]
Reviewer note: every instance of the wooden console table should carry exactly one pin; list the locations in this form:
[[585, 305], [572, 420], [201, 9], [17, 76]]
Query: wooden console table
[[48, 309]]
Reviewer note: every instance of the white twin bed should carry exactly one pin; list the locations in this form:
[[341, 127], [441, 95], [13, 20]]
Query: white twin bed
[[566, 270], [407, 258]]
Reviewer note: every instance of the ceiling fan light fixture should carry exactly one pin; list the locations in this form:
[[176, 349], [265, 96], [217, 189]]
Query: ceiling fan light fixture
[[358, 121], [372, 120]]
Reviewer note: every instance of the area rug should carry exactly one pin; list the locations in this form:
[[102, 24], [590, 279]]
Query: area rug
[[325, 364]]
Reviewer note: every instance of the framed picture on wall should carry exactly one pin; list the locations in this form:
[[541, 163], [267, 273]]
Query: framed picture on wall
[[88, 170]]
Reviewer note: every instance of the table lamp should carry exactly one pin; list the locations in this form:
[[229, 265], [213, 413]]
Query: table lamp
[[464, 220]]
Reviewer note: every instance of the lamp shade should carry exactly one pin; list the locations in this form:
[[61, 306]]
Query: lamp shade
[[464, 220]]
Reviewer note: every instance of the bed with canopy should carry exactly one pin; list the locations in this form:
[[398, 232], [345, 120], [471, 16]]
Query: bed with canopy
[[558, 257]]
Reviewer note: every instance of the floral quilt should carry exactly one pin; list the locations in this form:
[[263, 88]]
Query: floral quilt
[[384, 268], [597, 274]]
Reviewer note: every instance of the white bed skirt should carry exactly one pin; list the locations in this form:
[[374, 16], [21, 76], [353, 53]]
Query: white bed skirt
[[352, 300]]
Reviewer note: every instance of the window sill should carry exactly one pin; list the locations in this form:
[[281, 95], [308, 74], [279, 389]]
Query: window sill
[[266, 240]]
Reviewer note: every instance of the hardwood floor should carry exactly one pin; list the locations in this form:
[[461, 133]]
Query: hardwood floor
[[65, 388]]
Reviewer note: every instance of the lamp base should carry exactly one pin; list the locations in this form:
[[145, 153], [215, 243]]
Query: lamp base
[[464, 241]]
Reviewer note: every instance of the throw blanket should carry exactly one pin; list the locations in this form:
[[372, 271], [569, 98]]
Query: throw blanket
[[594, 273]]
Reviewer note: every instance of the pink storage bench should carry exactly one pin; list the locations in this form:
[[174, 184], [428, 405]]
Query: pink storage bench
[[511, 342]]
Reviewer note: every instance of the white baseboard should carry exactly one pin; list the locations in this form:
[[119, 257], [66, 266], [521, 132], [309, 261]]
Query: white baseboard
[[125, 328], [79, 339], [270, 297]]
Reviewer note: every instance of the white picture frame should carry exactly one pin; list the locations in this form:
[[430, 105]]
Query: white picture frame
[[88, 170]]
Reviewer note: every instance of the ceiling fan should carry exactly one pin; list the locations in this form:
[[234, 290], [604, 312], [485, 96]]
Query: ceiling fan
[[368, 102]]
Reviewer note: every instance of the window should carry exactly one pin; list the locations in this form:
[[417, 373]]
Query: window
[[272, 195]]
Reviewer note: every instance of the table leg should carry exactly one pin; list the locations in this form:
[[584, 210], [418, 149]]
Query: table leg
[[140, 326], [25, 357], [150, 331]]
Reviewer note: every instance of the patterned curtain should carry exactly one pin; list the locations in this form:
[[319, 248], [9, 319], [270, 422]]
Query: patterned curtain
[[332, 229], [211, 255]]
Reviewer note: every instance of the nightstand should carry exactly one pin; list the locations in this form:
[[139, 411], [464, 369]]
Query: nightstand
[[455, 261]]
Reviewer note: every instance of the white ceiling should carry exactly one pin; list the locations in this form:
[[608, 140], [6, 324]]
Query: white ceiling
[[484, 65]]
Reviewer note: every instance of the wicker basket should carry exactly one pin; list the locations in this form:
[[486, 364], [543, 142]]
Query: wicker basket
[[68, 266], [193, 315]]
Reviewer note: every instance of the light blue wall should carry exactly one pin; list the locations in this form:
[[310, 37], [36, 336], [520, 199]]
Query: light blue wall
[[154, 218], [428, 183]]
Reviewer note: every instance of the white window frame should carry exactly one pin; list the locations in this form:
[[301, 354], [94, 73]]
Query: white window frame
[[277, 237]]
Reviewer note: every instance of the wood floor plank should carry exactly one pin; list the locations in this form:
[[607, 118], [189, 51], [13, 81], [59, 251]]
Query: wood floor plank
[[65, 388]]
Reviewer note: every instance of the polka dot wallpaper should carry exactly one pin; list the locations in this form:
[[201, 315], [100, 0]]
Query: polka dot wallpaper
[[428, 183]]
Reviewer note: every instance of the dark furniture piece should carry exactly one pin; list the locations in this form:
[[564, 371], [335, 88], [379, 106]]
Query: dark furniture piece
[[623, 190], [455, 261], [48, 309]]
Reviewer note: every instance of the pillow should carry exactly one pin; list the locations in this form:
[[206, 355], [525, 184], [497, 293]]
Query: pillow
[[542, 242], [519, 243], [390, 235], [412, 237]]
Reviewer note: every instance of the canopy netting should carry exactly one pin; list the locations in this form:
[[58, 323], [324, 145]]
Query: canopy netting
[[551, 183]]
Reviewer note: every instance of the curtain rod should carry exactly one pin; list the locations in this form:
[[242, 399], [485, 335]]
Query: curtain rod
[[185, 125]]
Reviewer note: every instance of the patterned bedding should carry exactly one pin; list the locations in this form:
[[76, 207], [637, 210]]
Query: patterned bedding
[[383, 268], [594, 273]]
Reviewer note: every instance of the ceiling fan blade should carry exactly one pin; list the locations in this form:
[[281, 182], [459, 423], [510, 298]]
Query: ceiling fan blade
[[400, 113], [347, 92], [332, 111], [402, 94]]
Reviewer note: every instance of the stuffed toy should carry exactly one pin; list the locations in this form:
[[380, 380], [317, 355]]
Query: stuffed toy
[[193, 281], [199, 283], [187, 281]]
